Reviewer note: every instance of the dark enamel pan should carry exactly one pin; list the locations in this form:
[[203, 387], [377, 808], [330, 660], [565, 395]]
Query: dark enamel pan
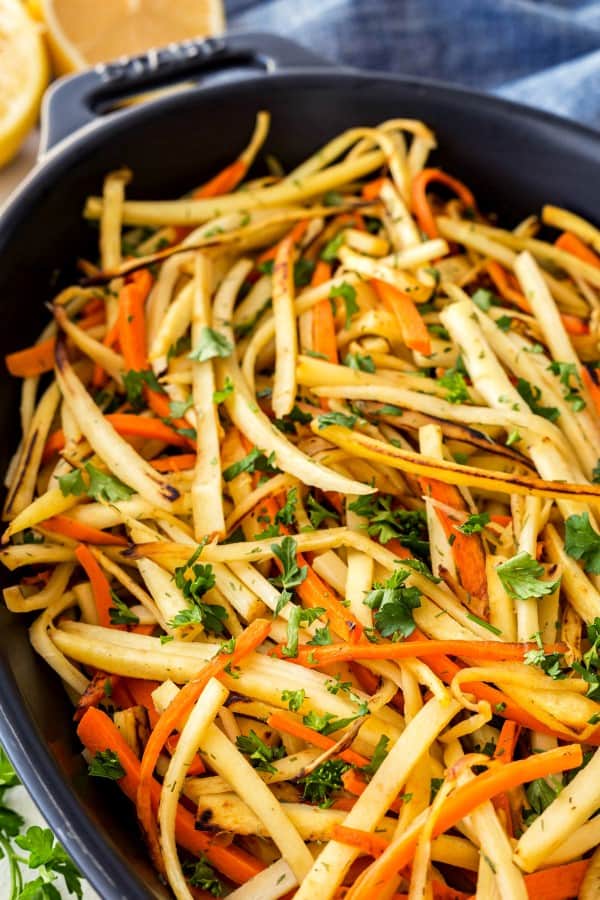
[[515, 159]]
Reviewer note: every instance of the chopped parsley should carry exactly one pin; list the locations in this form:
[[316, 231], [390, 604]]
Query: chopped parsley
[[294, 699], [336, 418], [549, 663], [261, 755], [348, 295], [297, 618], [323, 781], [194, 579], [254, 461], [317, 513], [394, 603], [359, 362], [475, 523], [570, 380], [212, 344], [456, 386], [120, 614], [381, 751], [385, 523], [531, 395], [101, 485], [227, 391], [330, 250], [583, 542], [520, 577], [201, 875], [327, 723], [135, 381], [106, 764]]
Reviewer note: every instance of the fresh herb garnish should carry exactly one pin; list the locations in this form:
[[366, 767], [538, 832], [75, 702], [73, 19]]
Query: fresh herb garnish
[[211, 344], [120, 614], [531, 395], [379, 755], [106, 764], [261, 755], [327, 723], [582, 542], [456, 386], [201, 875], [475, 523], [570, 380], [101, 486], [336, 418], [385, 523], [520, 577], [348, 295], [317, 512], [549, 663], [194, 579], [254, 461], [394, 602], [359, 362], [135, 381], [323, 781], [294, 699]]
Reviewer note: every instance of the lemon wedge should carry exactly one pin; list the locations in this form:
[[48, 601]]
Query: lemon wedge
[[23, 76], [83, 34]]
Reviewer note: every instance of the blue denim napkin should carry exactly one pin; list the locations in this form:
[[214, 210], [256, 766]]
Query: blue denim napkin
[[542, 52]]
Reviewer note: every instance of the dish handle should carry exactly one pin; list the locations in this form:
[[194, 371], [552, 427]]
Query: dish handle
[[82, 100]]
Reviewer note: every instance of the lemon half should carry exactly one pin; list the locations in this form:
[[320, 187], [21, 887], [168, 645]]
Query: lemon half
[[83, 34], [23, 76]]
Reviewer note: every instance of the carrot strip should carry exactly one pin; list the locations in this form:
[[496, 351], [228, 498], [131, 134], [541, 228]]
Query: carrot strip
[[421, 206], [95, 318], [139, 426], [110, 339], [593, 388], [463, 801], [174, 463], [507, 741], [172, 717], [100, 585], [81, 532], [280, 721], [414, 329], [224, 182], [574, 325], [505, 287], [33, 360], [368, 843], [97, 732], [132, 331], [572, 244], [371, 189], [469, 556], [313, 591], [395, 547], [500, 651], [324, 338], [557, 882]]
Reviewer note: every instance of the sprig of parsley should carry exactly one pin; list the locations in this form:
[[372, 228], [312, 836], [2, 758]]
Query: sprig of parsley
[[455, 384], [294, 699], [336, 418], [211, 345], [549, 663], [531, 395], [323, 781], [100, 486], [359, 362], [201, 875], [327, 723], [583, 542], [384, 523], [348, 295], [317, 512], [475, 523], [570, 380], [520, 577], [135, 381], [120, 614], [261, 755], [106, 764], [194, 580], [394, 602], [297, 618], [254, 461]]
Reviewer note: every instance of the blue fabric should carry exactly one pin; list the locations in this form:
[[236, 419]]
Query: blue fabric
[[542, 52]]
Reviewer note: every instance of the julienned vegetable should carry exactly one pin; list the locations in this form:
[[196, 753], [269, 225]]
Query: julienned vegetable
[[310, 518]]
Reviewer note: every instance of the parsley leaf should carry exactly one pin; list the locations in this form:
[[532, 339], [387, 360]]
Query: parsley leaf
[[540, 794], [549, 663], [504, 323], [120, 614], [212, 344], [483, 299], [255, 461], [220, 396], [298, 617], [359, 363], [317, 513], [583, 542], [348, 295], [455, 383], [193, 589], [336, 418], [294, 699], [332, 198], [385, 523], [520, 577], [379, 755], [327, 723], [475, 523], [531, 396], [201, 875], [394, 603], [571, 381], [261, 755], [101, 486], [178, 408], [322, 781], [287, 512], [292, 574], [135, 381], [287, 424], [303, 270], [330, 250], [321, 638], [106, 764]]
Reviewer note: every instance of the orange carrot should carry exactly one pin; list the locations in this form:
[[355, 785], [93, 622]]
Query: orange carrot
[[140, 426], [132, 330], [171, 719], [557, 882], [81, 532], [293, 236], [492, 651], [100, 585], [224, 182], [281, 721], [110, 339], [174, 463], [314, 592], [462, 802], [324, 338], [572, 244], [469, 556], [413, 328], [421, 206], [574, 325], [34, 360], [507, 741], [395, 547], [371, 189], [98, 733], [505, 284], [90, 321], [366, 841]]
